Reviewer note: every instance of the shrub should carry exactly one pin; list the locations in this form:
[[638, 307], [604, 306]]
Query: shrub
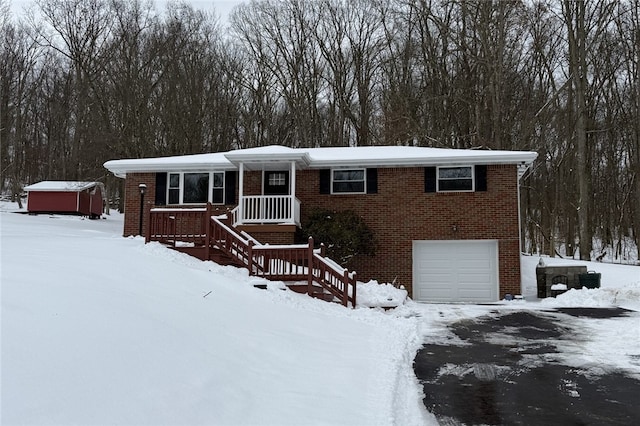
[[344, 234]]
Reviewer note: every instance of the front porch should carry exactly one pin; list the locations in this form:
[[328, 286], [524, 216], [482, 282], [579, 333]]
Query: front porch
[[271, 200], [267, 204]]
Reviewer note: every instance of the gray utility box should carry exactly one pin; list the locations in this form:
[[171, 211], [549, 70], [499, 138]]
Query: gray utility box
[[546, 276]]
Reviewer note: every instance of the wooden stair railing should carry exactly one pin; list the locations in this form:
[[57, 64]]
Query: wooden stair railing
[[300, 262], [175, 225]]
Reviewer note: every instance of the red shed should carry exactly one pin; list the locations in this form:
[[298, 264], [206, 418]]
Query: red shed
[[82, 198]]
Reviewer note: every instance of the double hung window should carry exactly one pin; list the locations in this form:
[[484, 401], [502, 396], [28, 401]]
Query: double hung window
[[451, 179], [351, 181]]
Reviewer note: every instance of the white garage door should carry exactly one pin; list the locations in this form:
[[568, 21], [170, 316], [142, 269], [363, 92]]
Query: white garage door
[[455, 271]]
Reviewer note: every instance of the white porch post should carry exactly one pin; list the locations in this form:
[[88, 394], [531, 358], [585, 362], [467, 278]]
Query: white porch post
[[240, 193], [292, 196]]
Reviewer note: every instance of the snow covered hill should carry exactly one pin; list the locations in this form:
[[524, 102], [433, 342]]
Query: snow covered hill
[[98, 329]]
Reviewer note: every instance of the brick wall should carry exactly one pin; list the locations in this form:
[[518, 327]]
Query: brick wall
[[401, 212], [132, 201]]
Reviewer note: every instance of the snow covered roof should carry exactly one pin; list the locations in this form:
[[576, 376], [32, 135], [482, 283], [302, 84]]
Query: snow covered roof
[[60, 186], [368, 156], [405, 156], [196, 162]]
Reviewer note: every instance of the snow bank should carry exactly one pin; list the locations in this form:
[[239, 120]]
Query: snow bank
[[375, 295], [100, 329], [619, 284]]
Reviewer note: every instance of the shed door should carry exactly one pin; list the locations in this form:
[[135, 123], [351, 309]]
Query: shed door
[[455, 271]]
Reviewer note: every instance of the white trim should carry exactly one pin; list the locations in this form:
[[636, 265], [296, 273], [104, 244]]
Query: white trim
[[239, 210], [473, 179], [322, 158], [292, 190]]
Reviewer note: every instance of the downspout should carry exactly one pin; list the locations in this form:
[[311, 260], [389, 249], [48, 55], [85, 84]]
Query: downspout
[[519, 177]]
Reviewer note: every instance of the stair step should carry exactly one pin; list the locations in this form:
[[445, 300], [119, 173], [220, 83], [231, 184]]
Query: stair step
[[327, 297]]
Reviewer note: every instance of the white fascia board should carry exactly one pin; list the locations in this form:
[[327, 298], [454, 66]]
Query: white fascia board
[[316, 158], [497, 158]]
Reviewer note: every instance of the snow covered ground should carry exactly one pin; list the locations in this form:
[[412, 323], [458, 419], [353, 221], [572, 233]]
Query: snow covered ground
[[99, 329]]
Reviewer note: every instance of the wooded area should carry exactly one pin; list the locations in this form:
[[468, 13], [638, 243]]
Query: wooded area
[[85, 81]]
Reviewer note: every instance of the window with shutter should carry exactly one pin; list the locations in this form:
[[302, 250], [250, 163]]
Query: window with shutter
[[195, 187]]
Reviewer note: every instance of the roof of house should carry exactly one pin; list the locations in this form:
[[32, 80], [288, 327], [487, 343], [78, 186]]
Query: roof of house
[[326, 157], [60, 186]]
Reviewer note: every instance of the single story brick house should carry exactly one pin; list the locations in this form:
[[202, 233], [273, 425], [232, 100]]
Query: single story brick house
[[446, 220]]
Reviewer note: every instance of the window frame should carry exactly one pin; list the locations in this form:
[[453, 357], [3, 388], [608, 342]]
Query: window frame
[[277, 179], [210, 187], [472, 178], [171, 188], [364, 181]]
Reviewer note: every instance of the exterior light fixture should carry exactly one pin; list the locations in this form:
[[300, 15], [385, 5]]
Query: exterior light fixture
[[143, 189]]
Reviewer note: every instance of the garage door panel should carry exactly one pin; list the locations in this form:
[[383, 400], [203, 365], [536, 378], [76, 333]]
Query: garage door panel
[[475, 277], [438, 278], [436, 264], [479, 264], [437, 295], [476, 295], [455, 271]]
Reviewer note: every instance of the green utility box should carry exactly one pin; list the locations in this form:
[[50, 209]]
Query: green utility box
[[589, 280]]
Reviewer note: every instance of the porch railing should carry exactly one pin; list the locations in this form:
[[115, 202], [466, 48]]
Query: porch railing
[[175, 226], [300, 262], [267, 209]]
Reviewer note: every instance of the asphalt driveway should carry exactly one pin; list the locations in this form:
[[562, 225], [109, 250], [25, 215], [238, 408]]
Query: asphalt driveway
[[504, 373]]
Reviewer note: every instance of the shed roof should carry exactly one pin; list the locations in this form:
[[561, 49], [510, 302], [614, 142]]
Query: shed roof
[[60, 186], [367, 156]]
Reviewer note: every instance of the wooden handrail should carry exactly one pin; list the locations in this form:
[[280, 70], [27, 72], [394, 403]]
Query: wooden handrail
[[335, 279], [301, 262], [173, 226]]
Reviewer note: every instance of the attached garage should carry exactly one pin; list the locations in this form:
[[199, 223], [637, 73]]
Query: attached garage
[[455, 271]]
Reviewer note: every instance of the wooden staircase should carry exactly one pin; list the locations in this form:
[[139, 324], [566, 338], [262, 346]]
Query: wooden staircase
[[215, 255], [197, 232]]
